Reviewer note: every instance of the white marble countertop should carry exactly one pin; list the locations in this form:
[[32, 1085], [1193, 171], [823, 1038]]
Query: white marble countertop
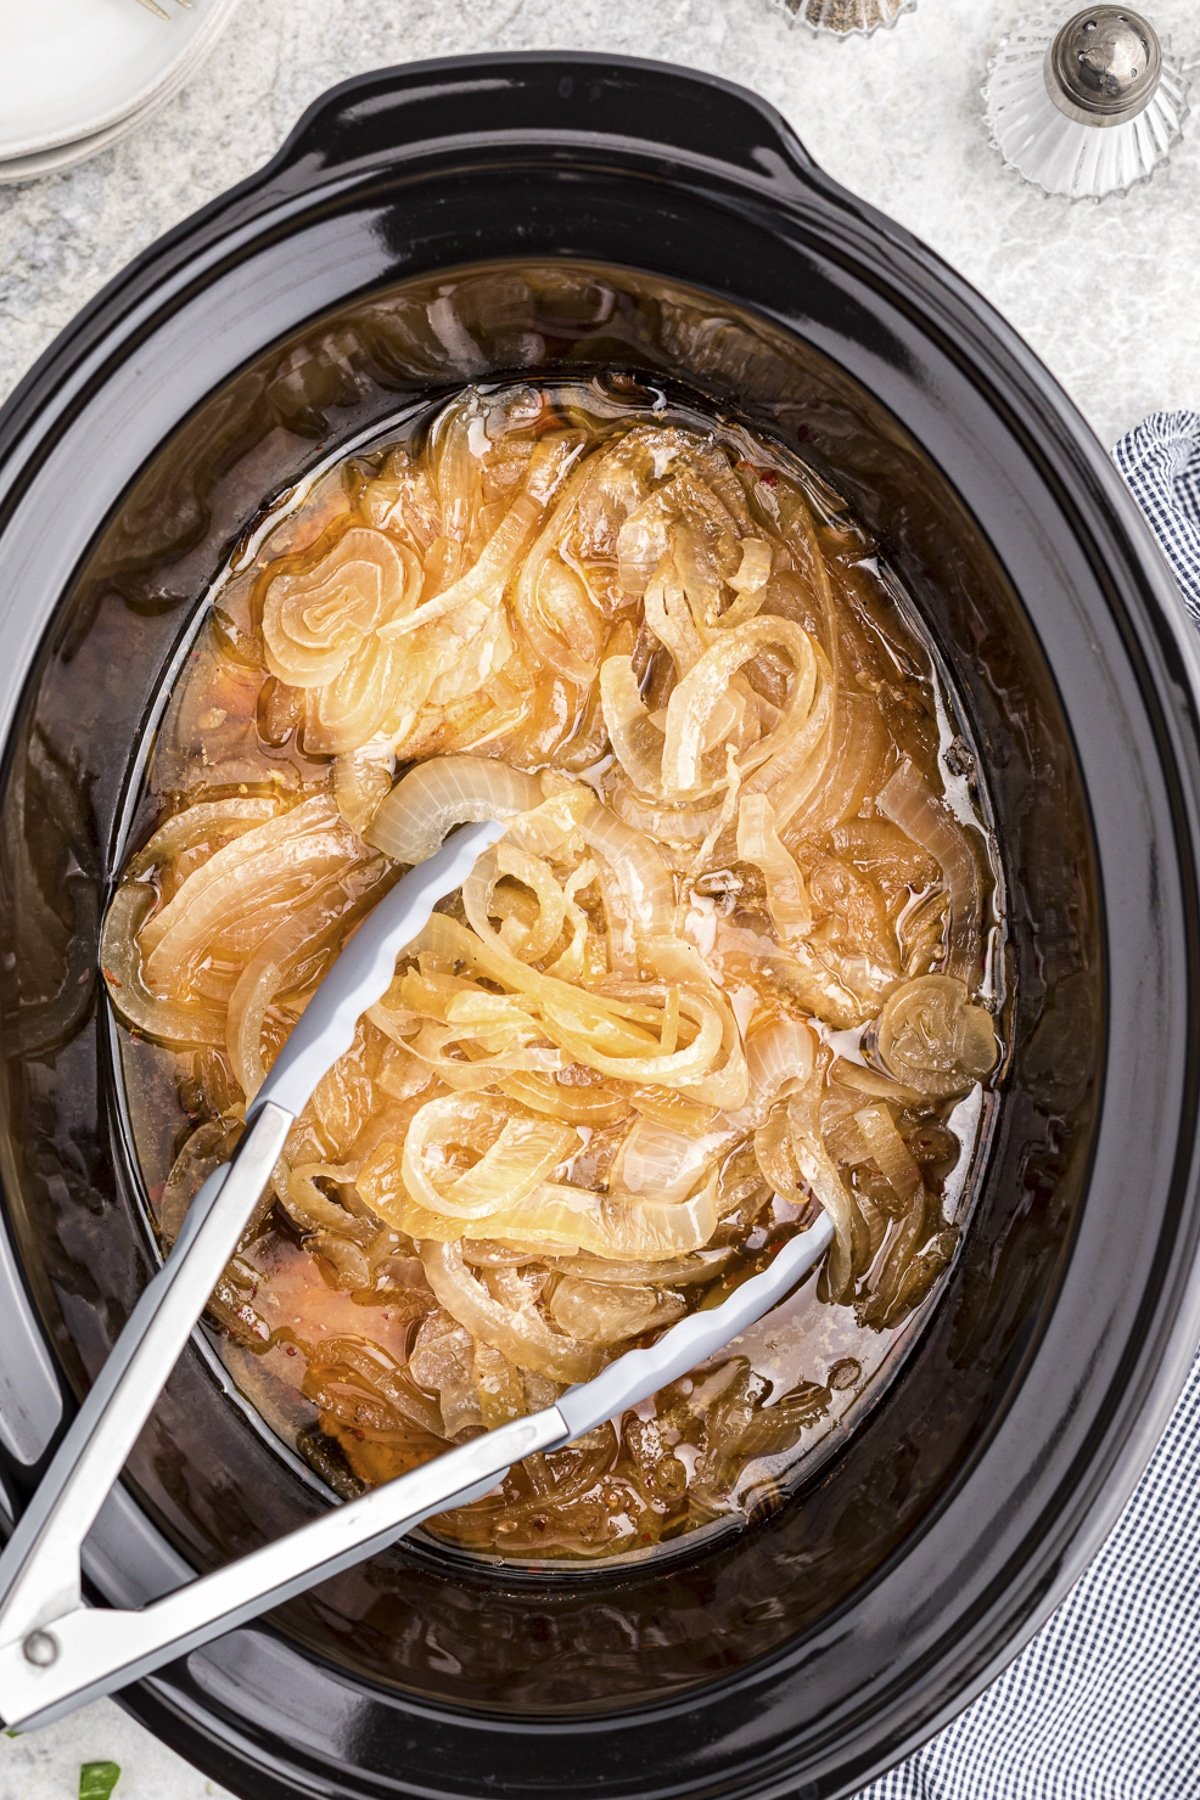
[[1106, 294]]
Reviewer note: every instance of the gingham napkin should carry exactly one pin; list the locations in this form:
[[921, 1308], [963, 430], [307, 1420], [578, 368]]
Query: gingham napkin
[[1104, 1703]]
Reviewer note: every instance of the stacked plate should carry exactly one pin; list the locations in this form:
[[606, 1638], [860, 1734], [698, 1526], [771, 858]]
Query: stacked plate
[[77, 75]]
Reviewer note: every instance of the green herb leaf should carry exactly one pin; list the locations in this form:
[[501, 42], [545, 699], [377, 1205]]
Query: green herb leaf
[[97, 1780]]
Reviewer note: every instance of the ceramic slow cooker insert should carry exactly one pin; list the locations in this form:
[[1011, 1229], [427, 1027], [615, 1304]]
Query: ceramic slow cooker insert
[[479, 220]]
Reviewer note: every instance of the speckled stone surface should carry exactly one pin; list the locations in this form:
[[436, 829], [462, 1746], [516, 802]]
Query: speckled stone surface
[[1106, 294]]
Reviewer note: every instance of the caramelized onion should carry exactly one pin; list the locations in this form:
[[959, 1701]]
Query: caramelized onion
[[908, 803], [156, 1016], [779, 1059], [758, 842], [610, 1313], [515, 1153], [522, 1336], [706, 685], [288, 957], [206, 822], [820, 1175], [638, 892], [361, 779], [657, 1163], [933, 1039], [888, 1150], [314, 622], [715, 975], [238, 884], [452, 790], [637, 743]]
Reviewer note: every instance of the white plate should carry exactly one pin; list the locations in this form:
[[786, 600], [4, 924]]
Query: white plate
[[71, 69], [65, 156]]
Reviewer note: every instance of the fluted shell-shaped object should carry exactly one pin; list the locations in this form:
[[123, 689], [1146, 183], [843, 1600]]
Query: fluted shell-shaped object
[[1057, 100], [844, 18]]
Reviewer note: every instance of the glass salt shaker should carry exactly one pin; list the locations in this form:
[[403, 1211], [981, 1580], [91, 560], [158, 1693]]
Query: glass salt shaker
[[1086, 108]]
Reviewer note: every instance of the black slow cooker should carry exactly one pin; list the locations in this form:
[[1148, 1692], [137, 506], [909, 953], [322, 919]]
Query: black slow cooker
[[477, 219]]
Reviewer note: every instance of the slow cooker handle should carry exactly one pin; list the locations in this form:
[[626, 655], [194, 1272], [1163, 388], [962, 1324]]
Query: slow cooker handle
[[581, 102]]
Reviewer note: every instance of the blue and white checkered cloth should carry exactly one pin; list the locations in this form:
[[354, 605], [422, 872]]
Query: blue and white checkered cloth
[[1104, 1703]]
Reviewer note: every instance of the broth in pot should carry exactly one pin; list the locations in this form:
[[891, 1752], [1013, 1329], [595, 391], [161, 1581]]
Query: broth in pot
[[735, 959]]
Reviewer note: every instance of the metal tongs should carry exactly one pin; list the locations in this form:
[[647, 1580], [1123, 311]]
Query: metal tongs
[[56, 1653]]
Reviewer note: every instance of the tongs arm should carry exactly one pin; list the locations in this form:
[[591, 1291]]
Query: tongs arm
[[88, 1651], [55, 1652], [85, 1652]]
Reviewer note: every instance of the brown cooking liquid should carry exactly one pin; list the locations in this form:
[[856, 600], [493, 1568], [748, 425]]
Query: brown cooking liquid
[[316, 1334]]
